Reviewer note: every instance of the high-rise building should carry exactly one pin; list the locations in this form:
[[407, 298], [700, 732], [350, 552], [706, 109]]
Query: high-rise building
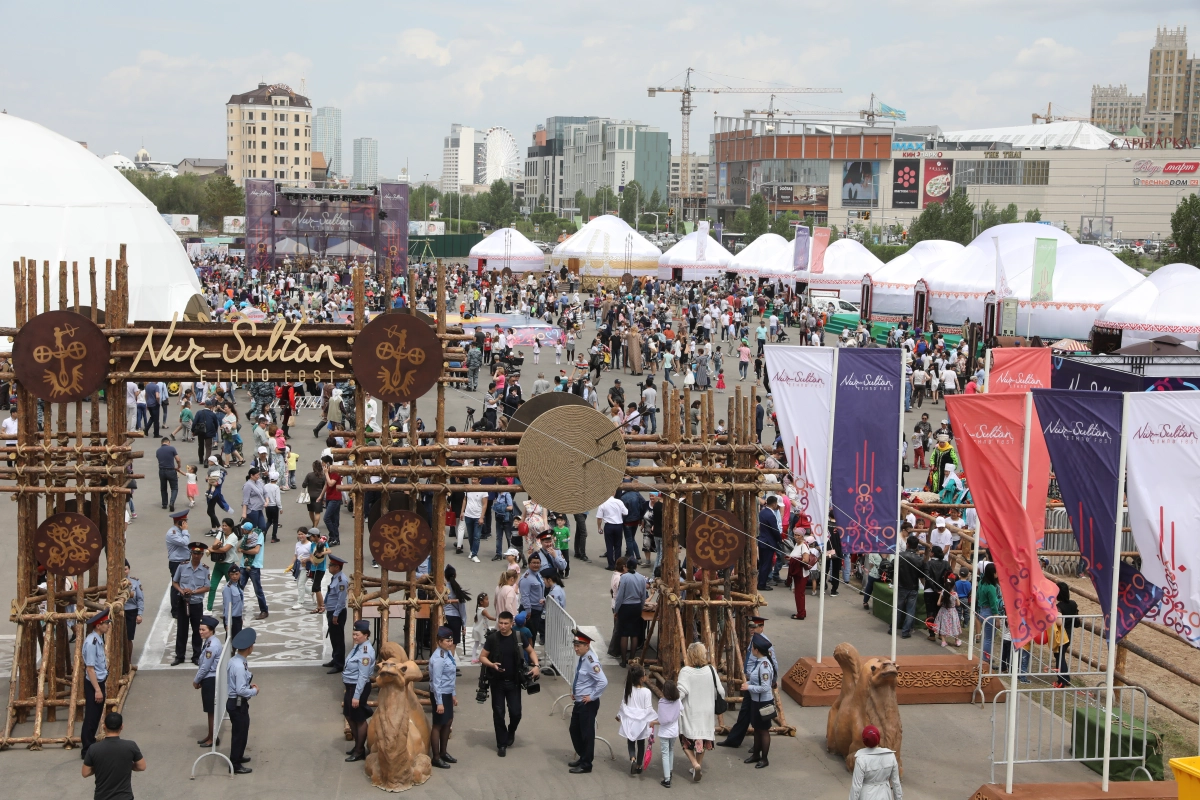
[[366, 162], [269, 135], [1172, 88], [545, 171], [1116, 110], [464, 158], [697, 182], [612, 153], [327, 138]]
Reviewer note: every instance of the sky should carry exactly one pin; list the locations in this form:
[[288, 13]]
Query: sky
[[159, 74]]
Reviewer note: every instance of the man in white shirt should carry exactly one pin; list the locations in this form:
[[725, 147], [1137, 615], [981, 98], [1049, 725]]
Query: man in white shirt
[[940, 536], [8, 428], [610, 523], [474, 507], [131, 394]]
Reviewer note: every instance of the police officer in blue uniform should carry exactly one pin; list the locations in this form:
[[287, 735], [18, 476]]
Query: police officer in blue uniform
[[135, 608], [335, 612], [95, 662], [589, 684], [738, 732], [191, 581], [206, 673], [356, 677], [178, 539], [237, 704]]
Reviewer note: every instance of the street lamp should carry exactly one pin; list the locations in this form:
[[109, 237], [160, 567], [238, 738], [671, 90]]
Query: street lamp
[[1104, 211]]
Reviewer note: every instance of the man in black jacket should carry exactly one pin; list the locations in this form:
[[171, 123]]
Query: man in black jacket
[[204, 425], [636, 506], [911, 566], [834, 564]]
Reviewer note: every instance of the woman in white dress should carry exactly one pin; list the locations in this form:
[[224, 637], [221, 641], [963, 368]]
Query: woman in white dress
[[636, 715], [699, 687], [876, 773]]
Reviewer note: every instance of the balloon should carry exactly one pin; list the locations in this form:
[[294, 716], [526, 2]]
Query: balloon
[[523, 529]]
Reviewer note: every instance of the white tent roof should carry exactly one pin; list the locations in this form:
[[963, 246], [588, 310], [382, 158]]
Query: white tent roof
[[845, 263], [1085, 277], [608, 248], [509, 248], [1164, 303], [59, 202], [892, 284], [685, 255], [763, 257], [1055, 135]]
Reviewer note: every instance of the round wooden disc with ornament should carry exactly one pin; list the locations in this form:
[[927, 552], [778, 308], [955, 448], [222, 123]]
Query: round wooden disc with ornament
[[400, 541], [715, 540], [60, 356], [68, 544], [540, 404], [571, 459], [397, 358], [626, 282]]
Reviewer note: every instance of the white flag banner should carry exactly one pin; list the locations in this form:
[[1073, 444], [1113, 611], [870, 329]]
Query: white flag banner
[[802, 382], [701, 242], [1163, 470]]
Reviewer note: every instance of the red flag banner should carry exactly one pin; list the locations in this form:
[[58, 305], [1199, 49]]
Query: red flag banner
[[1018, 370], [989, 430]]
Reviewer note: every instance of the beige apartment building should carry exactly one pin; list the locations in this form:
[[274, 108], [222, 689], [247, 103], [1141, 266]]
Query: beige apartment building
[[1172, 88], [269, 135], [1116, 110]]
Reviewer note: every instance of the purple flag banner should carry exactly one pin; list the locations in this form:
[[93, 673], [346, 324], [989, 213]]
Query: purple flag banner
[[1082, 430], [866, 449]]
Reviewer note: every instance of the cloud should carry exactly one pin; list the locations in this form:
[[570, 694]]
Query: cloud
[[1135, 37], [422, 44], [1046, 52], [593, 41]]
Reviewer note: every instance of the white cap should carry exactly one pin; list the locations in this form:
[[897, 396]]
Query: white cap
[[911, 519], [512, 551], [212, 459], [940, 522], [950, 467], [262, 449], [273, 475]]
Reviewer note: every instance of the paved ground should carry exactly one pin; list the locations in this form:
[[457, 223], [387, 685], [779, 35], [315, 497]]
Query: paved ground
[[296, 726]]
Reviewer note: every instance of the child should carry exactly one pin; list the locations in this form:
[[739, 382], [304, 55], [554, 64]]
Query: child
[[537, 349], [962, 587], [721, 381], [636, 715], [479, 630], [758, 368], [185, 422], [668, 727], [293, 458], [513, 556], [948, 623], [558, 350], [231, 601], [193, 488], [299, 566], [918, 448], [562, 541]]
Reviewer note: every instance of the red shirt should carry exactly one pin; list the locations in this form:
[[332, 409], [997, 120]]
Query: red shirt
[[333, 492]]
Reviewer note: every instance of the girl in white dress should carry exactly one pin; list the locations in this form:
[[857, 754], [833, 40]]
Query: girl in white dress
[[636, 716]]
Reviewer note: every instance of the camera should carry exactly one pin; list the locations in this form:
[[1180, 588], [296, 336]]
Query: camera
[[481, 691], [470, 410]]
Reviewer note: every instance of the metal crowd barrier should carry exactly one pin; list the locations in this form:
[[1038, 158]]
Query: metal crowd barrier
[[220, 691], [1047, 733], [1087, 647], [560, 653]]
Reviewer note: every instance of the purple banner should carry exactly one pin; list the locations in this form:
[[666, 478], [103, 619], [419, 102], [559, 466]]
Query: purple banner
[[260, 225], [393, 227], [1075, 373], [1082, 430], [866, 449]]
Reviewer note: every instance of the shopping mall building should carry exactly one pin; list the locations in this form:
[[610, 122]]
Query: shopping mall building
[[1073, 173]]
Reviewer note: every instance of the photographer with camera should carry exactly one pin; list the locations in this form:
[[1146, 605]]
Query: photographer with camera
[[505, 671]]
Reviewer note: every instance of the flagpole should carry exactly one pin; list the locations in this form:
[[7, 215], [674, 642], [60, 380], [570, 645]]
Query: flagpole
[[899, 516], [1112, 609], [829, 508], [987, 382], [1010, 733]]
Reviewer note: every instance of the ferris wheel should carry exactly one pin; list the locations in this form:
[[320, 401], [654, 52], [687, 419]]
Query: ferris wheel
[[503, 159]]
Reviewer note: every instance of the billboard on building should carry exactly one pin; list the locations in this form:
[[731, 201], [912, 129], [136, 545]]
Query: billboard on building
[[937, 181], [906, 183], [1095, 229], [423, 228], [183, 223], [234, 225], [860, 184]]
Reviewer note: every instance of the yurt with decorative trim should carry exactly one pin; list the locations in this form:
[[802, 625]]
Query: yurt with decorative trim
[[762, 257], [892, 285], [605, 249], [507, 250], [841, 269], [1165, 304], [695, 257]]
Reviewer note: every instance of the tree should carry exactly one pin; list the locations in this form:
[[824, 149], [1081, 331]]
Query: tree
[[1185, 229], [928, 224], [655, 202], [959, 214], [758, 220], [631, 199], [782, 225], [497, 204], [741, 221], [222, 198], [1033, 215], [420, 199], [1010, 214]]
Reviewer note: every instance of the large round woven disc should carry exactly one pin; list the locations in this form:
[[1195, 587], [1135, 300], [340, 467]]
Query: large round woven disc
[[571, 459], [60, 356], [397, 357], [715, 540], [540, 404], [68, 544], [400, 541]]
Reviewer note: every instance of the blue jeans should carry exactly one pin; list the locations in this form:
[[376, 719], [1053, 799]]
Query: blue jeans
[[333, 520], [667, 376], [474, 529], [868, 587], [258, 519], [766, 558], [907, 396], [651, 420], [503, 531], [907, 608], [742, 366], [253, 574], [989, 630], [631, 548]]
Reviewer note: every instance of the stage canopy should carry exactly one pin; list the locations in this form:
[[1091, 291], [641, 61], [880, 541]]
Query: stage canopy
[[1166, 303], [59, 202], [686, 256], [607, 248], [507, 248]]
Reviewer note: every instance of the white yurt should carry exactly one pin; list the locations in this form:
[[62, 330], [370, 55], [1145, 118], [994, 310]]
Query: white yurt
[[892, 284], [845, 263], [59, 202], [761, 258], [1085, 278], [1164, 304], [508, 249], [605, 249], [694, 257]]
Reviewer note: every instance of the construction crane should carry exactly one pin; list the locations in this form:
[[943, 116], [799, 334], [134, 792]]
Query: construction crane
[[686, 106], [1049, 117], [770, 111]]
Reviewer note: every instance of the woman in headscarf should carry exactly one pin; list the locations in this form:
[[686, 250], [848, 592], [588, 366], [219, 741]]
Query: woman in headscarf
[[633, 350], [876, 772]]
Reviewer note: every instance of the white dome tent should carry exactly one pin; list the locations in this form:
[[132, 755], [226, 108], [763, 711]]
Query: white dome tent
[[846, 262], [1164, 304], [59, 202], [686, 259], [605, 249], [892, 285], [508, 249], [762, 257], [1085, 278]]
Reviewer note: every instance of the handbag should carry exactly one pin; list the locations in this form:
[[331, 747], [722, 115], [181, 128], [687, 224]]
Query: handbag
[[769, 711], [303, 498], [720, 704]]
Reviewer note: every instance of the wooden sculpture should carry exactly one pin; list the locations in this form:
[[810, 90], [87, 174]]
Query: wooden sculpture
[[397, 735], [868, 698]]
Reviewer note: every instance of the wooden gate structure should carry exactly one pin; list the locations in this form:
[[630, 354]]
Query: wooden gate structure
[[70, 465]]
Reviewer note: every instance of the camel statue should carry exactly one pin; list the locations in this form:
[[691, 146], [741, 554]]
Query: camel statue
[[868, 698], [397, 734]]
